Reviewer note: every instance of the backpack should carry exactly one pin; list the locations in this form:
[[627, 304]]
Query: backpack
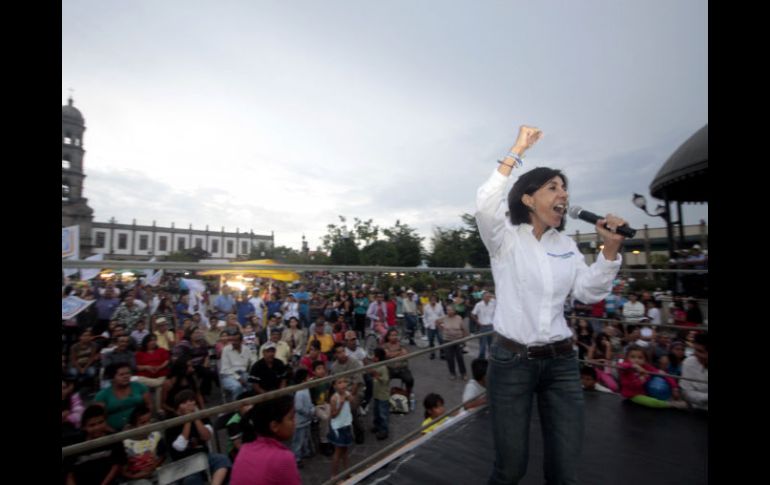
[[399, 402]]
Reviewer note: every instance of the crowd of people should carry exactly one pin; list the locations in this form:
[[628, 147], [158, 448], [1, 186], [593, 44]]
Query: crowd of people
[[142, 353]]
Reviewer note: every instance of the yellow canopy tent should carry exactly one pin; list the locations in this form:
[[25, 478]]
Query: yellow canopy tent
[[276, 274]]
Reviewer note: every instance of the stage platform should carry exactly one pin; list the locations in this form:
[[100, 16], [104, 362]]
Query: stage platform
[[624, 444]]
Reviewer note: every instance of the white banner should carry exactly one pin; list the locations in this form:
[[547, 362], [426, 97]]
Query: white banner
[[72, 305], [154, 278], [86, 274], [70, 242]]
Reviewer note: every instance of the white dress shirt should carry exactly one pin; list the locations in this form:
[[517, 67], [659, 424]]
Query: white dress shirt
[[532, 278], [431, 313], [485, 312]]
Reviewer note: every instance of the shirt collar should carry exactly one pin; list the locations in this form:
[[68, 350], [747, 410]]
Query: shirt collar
[[529, 229]]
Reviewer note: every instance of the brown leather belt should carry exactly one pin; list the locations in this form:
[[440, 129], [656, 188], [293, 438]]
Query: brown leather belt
[[562, 347]]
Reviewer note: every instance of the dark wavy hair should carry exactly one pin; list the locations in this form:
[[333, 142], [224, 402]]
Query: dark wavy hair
[[528, 184]]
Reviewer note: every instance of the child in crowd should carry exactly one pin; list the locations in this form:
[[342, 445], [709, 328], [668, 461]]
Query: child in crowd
[[477, 385], [263, 458], [588, 379], [320, 397], [341, 425], [381, 395], [304, 409], [313, 354], [434, 407], [99, 465], [234, 429], [71, 400], [250, 339], [145, 454], [636, 373]]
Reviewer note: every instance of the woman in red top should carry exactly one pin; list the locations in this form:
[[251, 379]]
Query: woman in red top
[[152, 366]]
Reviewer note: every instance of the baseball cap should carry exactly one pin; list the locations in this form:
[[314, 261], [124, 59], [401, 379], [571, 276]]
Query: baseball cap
[[161, 321], [268, 346], [350, 334]]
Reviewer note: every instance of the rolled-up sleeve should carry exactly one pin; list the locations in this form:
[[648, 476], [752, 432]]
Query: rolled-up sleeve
[[491, 209]]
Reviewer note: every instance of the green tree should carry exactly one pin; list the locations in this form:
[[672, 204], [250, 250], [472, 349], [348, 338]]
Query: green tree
[[448, 248], [407, 243], [379, 253], [475, 252], [345, 252]]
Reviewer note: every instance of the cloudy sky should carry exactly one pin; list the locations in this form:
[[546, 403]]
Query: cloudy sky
[[280, 115]]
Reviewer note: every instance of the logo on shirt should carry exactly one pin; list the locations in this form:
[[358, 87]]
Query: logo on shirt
[[562, 256]]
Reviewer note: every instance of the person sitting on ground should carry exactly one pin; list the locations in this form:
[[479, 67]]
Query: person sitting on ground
[[381, 394], [676, 356], [190, 438], [303, 406], [263, 458], [588, 379], [198, 350], [99, 465], [234, 429], [400, 369], [120, 398], [268, 373], [697, 367], [477, 385], [144, 454], [181, 377], [636, 374], [236, 361]]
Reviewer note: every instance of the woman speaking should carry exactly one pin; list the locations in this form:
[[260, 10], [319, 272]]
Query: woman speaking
[[535, 266]]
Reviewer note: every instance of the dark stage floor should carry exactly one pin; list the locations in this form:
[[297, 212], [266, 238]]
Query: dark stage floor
[[624, 444]]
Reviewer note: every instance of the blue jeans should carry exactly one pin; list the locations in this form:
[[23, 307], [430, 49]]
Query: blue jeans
[[513, 381], [434, 334], [411, 325], [216, 461], [232, 386], [485, 342], [381, 413], [300, 442]]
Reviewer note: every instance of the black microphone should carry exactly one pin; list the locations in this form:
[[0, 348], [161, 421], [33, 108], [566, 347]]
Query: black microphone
[[577, 212]]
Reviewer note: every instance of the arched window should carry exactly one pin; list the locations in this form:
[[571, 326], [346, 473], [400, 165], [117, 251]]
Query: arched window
[[68, 138], [65, 191], [65, 162]]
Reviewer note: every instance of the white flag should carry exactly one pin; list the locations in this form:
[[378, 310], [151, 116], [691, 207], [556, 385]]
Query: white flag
[[154, 278], [86, 274]]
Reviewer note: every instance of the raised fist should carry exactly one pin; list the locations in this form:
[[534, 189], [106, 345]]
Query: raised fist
[[528, 136]]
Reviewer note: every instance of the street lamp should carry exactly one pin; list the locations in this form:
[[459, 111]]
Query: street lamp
[[641, 203], [662, 212]]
